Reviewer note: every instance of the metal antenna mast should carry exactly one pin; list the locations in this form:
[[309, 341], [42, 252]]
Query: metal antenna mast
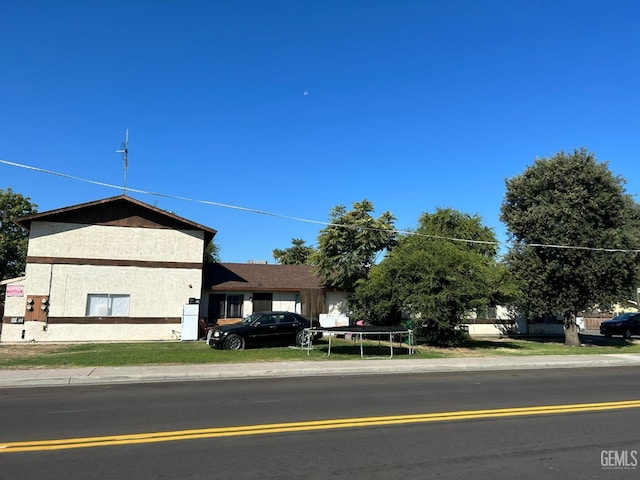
[[124, 150]]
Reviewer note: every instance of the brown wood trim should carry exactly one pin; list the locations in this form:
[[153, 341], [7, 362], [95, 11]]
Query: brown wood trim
[[7, 319], [115, 320], [112, 263]]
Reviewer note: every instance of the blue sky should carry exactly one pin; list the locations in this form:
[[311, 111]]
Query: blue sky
[[294, 107]]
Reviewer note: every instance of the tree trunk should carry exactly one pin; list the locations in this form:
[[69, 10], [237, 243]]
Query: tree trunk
[[571, 337]]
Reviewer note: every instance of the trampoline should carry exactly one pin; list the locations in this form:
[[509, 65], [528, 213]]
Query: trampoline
[[359, 332]]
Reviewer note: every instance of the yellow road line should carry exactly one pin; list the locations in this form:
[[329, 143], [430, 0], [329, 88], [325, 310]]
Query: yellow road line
[[169, 436]]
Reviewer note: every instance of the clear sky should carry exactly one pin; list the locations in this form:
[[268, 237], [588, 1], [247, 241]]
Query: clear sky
[[294, 107]]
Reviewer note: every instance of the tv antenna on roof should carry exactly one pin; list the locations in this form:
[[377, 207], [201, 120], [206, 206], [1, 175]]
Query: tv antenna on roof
[[124, 150]]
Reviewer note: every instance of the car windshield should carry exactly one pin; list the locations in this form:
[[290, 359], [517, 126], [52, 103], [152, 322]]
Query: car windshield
[[250, 319]]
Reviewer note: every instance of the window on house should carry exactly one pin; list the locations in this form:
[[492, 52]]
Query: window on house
[[262, 302], [222, 305], [486, 313], [546, 318], [107, 305], [234, 306]]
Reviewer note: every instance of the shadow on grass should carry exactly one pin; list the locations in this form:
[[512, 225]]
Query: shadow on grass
[[490, 344], [368, 350], [602, 341], [519, 343]]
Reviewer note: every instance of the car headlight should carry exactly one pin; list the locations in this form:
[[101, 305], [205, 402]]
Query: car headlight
[[216, 334]]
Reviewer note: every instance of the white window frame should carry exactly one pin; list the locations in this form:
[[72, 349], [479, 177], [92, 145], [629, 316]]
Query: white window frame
[[108, 305]]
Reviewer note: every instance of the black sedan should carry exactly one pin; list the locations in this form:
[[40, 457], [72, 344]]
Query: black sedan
[[263, 329], [626, 325]]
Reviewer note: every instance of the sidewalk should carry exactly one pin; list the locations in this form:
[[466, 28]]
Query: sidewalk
[[213, 371]]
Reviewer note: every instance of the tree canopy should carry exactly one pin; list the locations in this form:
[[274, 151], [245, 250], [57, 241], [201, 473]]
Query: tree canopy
[[574, 230], [431, 278], [350, 245], [212, 253], [13, 239], [297, 254]]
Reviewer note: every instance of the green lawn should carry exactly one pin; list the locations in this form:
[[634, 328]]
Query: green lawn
[[32, 355]]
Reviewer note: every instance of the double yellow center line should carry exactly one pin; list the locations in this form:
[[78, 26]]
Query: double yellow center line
[[357, 422]]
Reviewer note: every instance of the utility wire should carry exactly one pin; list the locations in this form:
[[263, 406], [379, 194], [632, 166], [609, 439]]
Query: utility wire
[[300, 219]]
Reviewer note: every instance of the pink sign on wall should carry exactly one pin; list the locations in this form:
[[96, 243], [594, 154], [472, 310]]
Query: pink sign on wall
[[15, 290]]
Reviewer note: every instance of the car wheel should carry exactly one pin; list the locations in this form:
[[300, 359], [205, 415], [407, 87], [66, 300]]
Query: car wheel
[[303, 338], [627, 334], [234, 342]]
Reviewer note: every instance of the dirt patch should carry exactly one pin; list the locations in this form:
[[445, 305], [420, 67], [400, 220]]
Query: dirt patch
[[26, 350]]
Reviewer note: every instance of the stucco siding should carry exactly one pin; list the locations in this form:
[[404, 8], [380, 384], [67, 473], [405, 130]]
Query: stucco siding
[[14, 305], [38, 332], [116, 243], [154, 292], [38, 279]]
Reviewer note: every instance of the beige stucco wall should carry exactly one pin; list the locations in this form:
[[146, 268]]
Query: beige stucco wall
[[41, 332], [155, 292], [14, 306], [118, 243]]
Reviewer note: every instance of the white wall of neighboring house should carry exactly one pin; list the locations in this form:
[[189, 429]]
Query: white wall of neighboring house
[[489, 329], [545, 329], [337, 303], [485, 329]]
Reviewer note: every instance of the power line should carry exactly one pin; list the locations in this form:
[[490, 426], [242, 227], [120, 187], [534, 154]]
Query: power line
[[300, 219]]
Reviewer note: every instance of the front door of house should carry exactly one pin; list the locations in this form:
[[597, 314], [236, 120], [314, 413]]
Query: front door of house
[[216, 308]]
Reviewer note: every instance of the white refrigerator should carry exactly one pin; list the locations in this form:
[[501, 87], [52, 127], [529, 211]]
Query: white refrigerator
[[190, 313]]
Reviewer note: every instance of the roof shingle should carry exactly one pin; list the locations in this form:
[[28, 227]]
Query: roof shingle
[[260, 277]]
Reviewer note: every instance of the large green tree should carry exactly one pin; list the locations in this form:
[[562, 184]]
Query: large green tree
[[350, 245], [574, 229], [13, 239], [297, 254], [433, 276]]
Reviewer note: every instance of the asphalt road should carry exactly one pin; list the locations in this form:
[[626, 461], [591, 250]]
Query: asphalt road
[[192, 430]]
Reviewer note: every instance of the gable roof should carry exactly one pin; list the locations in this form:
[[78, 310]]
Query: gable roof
[[122, 211], [260, 277]]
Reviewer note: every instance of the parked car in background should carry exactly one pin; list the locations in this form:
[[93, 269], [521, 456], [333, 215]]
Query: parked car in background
[[626, 325], [263, 329]]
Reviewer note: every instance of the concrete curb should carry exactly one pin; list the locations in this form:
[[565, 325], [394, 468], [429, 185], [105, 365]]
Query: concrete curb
[[207, 372]]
